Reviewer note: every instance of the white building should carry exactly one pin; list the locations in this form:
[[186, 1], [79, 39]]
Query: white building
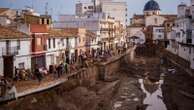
[[113, 8], [96, 24], [83, 9], [117, 10], [151, 17], [61, 45], [15, 51], [56, 46], [182, 36], [158, 33]]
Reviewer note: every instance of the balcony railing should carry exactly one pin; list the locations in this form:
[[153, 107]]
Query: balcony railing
[[9, 51]]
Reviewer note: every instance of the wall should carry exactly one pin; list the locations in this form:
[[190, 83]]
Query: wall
[[110, 67], [117, 10], [183, 52], [23, 55], [154, 20], [158, 33]]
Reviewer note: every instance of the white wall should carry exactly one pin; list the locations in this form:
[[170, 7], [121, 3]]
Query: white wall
[[158, 33], [118, 10], [53, 53], [4, 21], [184, 52], [154, 20], [23, 55]]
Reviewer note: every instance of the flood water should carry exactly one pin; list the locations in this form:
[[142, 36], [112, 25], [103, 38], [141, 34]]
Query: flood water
[[154, 101]]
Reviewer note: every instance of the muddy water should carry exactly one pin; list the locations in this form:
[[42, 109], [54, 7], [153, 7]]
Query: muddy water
[[154, 101]]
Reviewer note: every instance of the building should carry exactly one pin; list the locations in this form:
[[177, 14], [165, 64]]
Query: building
[[181, 37], [83, 9], [56, 46], [10, 13], [39, 35], [115, 9], [99, 24], [151, 18], [15, 51]]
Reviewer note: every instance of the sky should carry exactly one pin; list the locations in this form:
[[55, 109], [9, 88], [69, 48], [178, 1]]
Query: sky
[[56, 7]]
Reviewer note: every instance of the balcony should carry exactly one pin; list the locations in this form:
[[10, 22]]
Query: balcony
[[10, 51]]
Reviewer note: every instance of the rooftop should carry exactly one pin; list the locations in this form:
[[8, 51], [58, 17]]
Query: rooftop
[[9, 33], [3, 10]]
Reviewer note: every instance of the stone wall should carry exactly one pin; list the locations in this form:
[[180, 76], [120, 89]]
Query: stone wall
[[178, 61], [99, 71], [106, 69]]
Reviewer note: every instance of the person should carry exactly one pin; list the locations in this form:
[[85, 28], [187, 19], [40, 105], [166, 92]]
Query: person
[[60, 70], [3, 85], [38, 75], [16, 78], [65, 67], [12, 90]]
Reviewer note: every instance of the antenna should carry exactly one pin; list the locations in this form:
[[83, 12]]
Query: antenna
[[32, 5], [46, 8]]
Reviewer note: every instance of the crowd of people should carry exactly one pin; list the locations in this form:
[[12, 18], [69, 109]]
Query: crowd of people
[[63, 68]]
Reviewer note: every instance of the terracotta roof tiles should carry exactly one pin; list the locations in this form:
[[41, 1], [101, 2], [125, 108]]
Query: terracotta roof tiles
[[3, 10], [9, 33]]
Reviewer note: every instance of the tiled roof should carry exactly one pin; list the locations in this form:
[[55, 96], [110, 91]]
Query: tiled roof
[[9, 33], [38, 28], [3, 10]]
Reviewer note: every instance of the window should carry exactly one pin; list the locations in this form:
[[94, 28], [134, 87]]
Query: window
[[49, 43], [42, 20], [62, 41], [90, 7], [48, 21], [38, 40], [21, 65], [18, 44], [53, 42], [156, 21]]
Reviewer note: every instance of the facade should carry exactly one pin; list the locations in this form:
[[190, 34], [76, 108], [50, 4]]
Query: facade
[[10, 13], [15, 51], [152, 18], [39, 36], [4, 20], [83, 9], [60, 47], [99, 24], [181, 37], [56, 46], [115, 9]]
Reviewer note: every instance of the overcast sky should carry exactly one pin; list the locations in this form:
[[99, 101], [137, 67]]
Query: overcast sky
[[57, 7]]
